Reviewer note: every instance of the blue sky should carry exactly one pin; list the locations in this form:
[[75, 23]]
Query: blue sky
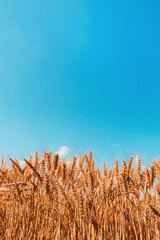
[[81, 74]]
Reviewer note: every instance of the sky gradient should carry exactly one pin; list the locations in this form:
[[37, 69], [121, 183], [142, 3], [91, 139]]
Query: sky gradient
[[81, 74]]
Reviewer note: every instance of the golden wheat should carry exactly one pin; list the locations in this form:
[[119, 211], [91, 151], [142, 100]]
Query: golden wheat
[[51, 199]]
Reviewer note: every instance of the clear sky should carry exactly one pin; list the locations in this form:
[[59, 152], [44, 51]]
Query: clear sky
[[82, 74]]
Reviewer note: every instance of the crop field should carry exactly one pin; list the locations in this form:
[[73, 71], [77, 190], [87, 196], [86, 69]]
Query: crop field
[[50, 198]]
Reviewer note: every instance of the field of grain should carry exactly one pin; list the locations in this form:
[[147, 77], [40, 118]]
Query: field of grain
[[51, 199]]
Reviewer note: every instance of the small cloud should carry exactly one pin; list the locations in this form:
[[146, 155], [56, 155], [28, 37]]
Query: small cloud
[[63, 151], [21, 163], [143, 168]]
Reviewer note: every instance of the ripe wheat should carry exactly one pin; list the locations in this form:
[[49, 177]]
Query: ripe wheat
[[51, 199]]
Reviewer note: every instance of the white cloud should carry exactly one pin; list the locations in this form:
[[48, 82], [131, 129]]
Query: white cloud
[[63, 151], [143, 168], [21, 163]]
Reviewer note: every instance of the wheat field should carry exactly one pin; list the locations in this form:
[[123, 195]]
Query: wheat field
[[50, 198]]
